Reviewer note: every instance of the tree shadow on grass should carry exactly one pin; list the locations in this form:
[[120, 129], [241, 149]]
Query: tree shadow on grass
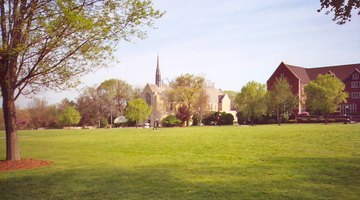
[[280, 178]]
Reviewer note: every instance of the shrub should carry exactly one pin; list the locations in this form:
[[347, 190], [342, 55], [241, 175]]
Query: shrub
[[285, 118], [271, 121], [227, 119], [209, 119], [104, 122], [170, 121], [240, 118], [292, 121], [219, 118]]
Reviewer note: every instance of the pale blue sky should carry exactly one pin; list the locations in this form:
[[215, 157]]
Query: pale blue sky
[[230, 42]]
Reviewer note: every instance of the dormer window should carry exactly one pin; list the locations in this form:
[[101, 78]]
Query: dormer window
[[355, 76], [331, 73]]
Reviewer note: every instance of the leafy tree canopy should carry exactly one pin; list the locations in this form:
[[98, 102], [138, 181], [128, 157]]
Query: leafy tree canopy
[[50, 43], [115, 94], [185, 89], [137, 110], [342, 9], [70, 116], [251, 100], [280, 98], [325, 93]]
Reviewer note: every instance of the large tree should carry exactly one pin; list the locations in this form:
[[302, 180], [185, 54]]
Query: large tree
[[251, 100], [186, 90], [280, 98], [91, 107], [325, 94], [201, 105], [38, 113], [2, 124], [46, 43], [115, 94], [342, 9], [137, 110]]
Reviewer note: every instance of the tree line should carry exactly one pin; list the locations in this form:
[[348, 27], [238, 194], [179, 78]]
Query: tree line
[[95, 106], [100, 106], [256, 103]]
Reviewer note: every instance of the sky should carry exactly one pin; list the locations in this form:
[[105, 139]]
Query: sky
[[229, 42]]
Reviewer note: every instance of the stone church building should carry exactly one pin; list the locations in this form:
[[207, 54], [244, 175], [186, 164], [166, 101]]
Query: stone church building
[[155, 94]]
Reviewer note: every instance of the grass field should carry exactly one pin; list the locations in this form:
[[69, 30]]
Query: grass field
[[312, 161]]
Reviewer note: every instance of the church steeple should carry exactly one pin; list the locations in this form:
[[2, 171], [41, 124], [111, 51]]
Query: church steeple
[[158, 75]]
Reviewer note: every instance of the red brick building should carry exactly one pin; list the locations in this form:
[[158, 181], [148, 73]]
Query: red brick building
[[298, 77]]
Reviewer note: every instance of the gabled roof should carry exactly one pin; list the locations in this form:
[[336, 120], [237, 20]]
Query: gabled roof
[[156, 89], [342, 72], [300, 72], [213, 94], [356, 70], [307, 74]]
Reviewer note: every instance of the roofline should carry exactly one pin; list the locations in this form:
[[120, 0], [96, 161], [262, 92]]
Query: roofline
[[286, 65], [331, 66], [293, 71]]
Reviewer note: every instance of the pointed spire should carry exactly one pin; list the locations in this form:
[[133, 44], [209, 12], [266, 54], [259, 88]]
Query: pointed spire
[[158, 75]]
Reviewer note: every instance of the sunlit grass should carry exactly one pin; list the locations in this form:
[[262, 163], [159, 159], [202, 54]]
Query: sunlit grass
[[311, 161]]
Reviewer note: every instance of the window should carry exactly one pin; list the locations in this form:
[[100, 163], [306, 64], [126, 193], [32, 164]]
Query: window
[[355, 84], [348, 109], [282, 75], [355, 76], [355, 95], [171, 106], [148, 98]]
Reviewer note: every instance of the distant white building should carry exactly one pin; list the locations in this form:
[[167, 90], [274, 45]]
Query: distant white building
[[154, 95]]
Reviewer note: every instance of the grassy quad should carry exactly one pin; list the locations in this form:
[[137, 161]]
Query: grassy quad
[[311, 161]]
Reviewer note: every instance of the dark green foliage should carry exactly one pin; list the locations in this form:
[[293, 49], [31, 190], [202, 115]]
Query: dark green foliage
[[210, 119], [104, 122], [219, 118], [240, 118], [227, 119], [170, 121]]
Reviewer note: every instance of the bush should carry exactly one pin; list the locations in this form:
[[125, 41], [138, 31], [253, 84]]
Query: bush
[[285, 118], [209, 119], [265, 119], [227, 119], [292, 121], [170, 121], [219, 118], [104, 122], [272, 121], [240, 118]]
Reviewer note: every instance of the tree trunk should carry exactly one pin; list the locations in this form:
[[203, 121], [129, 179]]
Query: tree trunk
[[326, 120], [252, 118], [12, 150], [278, 116]]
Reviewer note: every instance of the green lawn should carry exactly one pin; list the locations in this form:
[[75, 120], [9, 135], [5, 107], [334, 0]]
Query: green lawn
[[311, 161]]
